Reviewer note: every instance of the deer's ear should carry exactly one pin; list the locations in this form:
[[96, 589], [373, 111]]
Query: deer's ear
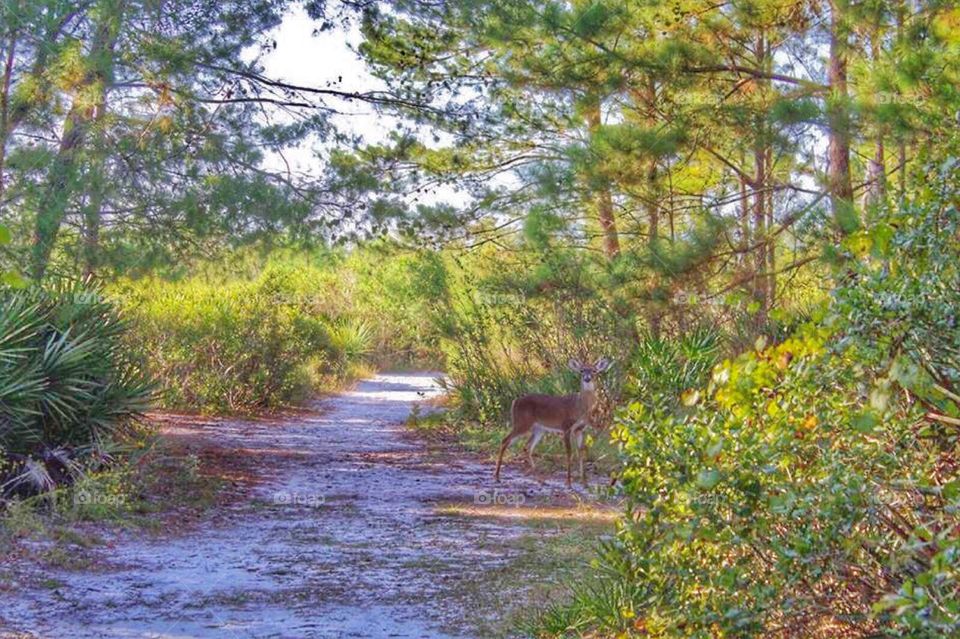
[[575, 365], [602, 364]]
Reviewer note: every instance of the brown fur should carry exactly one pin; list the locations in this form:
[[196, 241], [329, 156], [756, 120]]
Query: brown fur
[[566, 413], [551, 411]]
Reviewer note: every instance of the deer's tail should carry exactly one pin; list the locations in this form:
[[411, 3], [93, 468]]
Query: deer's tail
[[513, 413]]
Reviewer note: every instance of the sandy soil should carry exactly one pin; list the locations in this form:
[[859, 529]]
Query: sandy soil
[[352, 529]]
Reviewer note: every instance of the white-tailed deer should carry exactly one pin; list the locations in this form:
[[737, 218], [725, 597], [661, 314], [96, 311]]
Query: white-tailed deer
[[567, 415]]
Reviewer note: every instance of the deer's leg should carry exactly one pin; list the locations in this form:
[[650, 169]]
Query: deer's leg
[[531, 444], [581, 453], [503, 447], [566, 446]]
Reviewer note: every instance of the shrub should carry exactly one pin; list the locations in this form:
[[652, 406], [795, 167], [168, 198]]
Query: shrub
[[66, 377], [512, 330], [230, 346], [395, 298], [261, 333], [68, 384]]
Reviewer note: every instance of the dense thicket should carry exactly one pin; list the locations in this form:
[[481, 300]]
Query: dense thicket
[[807, 488], [711, 153], [764, 181]]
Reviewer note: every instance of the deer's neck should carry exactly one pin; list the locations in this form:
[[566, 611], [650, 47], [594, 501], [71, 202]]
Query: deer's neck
[[588, 395]]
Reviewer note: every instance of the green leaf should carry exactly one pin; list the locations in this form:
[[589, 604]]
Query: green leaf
[[13, 280], [690, 397], [882, 234], [880, 398], [714, 449], [951, 490], [846, 217], [707, 479], [864, 422], [773, 409]]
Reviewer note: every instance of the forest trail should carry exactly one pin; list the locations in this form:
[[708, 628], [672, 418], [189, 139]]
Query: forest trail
[[355, 530]]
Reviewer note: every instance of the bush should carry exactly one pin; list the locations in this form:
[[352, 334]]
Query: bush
[[513, 329], [68, 383], [395, 298], [270, 333], [230, 346], [66, 377]]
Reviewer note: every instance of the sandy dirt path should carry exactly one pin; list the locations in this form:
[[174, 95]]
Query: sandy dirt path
[[349, 534]]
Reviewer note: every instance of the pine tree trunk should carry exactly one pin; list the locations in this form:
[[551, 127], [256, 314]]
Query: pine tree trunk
[[653, 206], [760, 156], [91, 227], [901, 144], [60, 183], [771, 244], [96, 186], [876, 169], [744, 221], [605, 215], [611, 243], [759, 234], [840, 184], [5, 104]]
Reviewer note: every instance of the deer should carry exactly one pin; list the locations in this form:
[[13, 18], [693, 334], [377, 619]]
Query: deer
[[566, 415]]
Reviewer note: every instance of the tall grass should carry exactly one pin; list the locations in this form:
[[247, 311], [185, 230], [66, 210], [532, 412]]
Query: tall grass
[[261, 334], [232, 346]]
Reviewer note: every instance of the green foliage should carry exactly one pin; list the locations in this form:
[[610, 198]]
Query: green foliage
[[665, 371], [810, 487], [66, 375], [396, 297], [512, 328], [8, 277], [256, 334], [234, 347]]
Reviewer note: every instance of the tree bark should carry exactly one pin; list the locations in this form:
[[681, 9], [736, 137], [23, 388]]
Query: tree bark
[[876, 169], [5, 104], [901, 143], [605, 215], [744, 222], [759, 233], [96, 186], [761, 154], [771, 243], [839, 182], [91, 221]]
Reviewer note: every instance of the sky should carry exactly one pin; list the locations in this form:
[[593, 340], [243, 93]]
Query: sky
[[306, 58], [319, 60]]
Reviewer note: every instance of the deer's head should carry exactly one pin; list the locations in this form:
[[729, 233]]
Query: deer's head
[[588, 372]]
